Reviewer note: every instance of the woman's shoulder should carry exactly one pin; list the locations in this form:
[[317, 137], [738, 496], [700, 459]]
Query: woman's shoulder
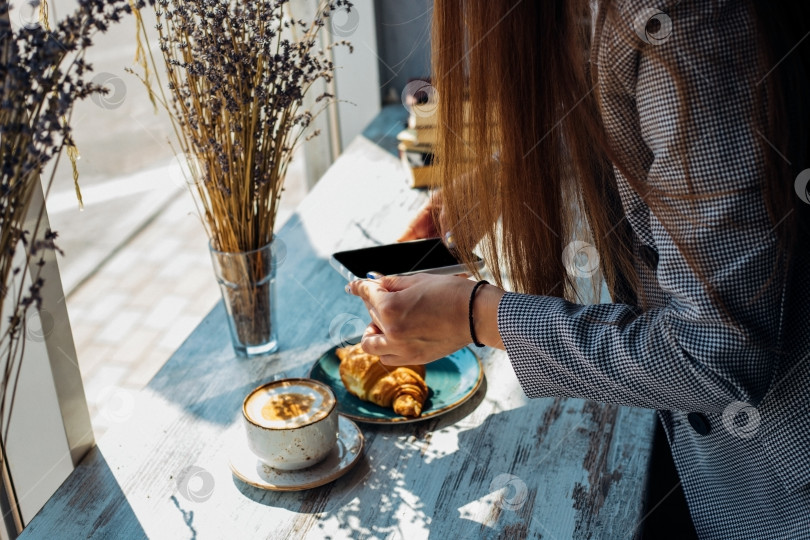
[[664, 60], [685, 34]]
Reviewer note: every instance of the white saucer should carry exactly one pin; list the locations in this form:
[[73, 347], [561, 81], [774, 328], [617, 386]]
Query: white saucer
[[248, 468]]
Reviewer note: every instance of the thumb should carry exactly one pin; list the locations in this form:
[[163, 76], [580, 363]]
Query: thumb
[[409, 234]]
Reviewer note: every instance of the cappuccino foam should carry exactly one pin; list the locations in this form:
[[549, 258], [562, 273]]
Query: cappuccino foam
[[288, 404]]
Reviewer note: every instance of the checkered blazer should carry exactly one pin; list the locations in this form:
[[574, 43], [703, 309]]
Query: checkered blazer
[[736, 410]]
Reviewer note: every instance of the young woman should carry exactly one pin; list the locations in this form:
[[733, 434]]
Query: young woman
[[668, 140]]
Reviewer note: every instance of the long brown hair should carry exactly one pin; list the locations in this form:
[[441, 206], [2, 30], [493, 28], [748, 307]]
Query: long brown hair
[[532, 149]]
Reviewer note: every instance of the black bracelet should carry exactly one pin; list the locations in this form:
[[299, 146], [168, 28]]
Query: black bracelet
[[472, 324]]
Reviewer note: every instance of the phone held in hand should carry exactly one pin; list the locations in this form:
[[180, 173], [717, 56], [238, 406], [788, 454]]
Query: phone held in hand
[[403, 258]]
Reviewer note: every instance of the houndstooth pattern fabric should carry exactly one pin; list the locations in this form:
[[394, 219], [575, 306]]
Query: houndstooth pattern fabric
[[748, 474]]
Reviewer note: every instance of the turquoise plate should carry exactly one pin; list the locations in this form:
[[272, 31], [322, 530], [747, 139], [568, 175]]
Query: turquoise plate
[[451, 381]]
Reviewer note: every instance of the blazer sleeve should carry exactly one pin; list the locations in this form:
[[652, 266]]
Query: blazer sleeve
[[681, 107]]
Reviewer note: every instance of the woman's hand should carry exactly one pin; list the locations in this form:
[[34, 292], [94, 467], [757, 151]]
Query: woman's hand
[[420, 318], [423, 225]]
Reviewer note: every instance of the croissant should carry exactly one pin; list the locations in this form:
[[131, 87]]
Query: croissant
[[401, 387]]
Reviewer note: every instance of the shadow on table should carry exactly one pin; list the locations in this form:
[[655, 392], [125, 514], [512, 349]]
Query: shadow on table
[[208, 380], [384, 494], [102, 512]]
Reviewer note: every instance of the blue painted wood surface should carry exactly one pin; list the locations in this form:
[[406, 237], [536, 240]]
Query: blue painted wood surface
[[499, 466]]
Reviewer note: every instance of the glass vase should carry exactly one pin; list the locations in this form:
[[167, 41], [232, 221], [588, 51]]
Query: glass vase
[[247, 281]]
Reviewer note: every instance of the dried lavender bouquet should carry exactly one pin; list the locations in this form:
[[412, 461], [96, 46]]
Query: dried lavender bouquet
[[42, 75], [237, 76]]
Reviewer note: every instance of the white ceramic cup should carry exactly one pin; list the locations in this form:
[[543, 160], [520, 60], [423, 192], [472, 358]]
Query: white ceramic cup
[[291, 423]]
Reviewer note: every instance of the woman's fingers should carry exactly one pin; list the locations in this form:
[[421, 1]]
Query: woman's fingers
[[376, 325], [422, 225], [372, 329], [411, 233], [394, 360], [419, 231], [415, 319], [377, 296], [371, 291], [397, 283], [377, 343]]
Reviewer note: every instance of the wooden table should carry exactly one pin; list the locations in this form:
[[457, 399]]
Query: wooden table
[[499, 466]]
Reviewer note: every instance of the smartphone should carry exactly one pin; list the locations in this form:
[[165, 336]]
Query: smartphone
[[403, 258]]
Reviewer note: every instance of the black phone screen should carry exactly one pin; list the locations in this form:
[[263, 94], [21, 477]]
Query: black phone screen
[[398, 258]]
